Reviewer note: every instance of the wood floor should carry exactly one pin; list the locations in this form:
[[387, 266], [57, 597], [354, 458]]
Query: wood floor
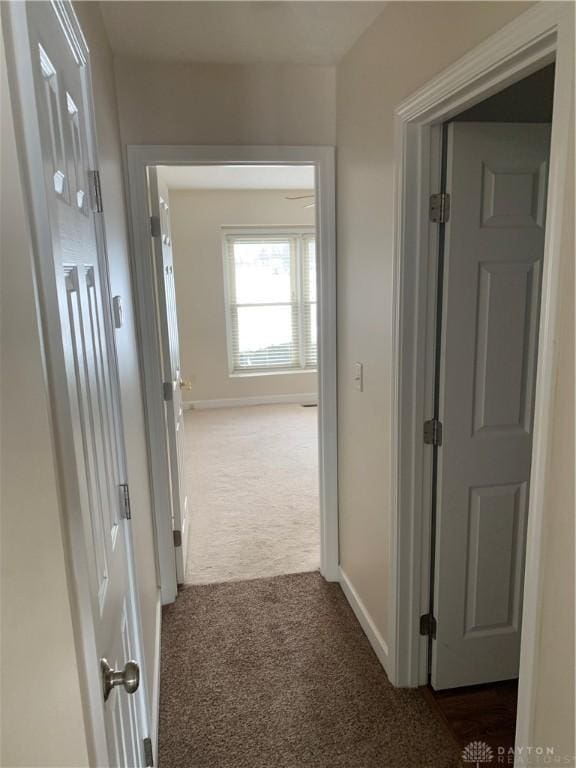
[[481, 712]]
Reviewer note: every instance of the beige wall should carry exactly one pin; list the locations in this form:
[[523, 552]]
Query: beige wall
[[225, 103], [41, 709], [404, 48], [131, 392], [197, 218]]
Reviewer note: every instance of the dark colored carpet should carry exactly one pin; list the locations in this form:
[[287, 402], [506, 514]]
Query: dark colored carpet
[[276, 673]]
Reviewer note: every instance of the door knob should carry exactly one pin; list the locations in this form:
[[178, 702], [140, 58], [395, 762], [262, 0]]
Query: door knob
[[129, 677], [184, 384]]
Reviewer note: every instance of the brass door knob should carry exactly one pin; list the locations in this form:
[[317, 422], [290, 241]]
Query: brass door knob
[[185, 384], [129, 677]]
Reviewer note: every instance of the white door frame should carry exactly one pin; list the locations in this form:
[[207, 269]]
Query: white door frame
[[539, 36], [140, 157], [31, 166]]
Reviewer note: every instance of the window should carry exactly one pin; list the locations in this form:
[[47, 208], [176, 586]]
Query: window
[[271, 300]]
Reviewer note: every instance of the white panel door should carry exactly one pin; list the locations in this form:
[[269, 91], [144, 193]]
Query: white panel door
[[168, 327], [496, 177], [54, 95]]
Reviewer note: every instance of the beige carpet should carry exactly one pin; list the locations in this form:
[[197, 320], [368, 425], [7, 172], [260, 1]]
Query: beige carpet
[[277, 673], [252, 478]]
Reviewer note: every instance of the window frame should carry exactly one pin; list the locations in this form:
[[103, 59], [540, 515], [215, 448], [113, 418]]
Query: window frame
[[298, 234]]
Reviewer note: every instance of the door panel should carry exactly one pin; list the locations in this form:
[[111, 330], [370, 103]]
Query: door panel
[[496, 526], [78, 323], [168, 326], [503, 403], [494, 243]]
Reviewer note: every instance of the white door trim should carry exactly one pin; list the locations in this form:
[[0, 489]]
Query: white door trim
[[534, 39], [322, 158]]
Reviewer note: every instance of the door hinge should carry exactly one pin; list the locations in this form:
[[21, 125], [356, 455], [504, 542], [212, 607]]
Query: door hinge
[[96, 191], [428, 625], [177, 538], [167, 391], [440, 208], [125, 501], [155, 229], [148, 753], [433, 432]]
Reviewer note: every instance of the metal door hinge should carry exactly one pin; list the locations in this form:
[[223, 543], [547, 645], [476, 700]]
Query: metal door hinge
[[96, 191], [440, 208], [125, 501], [155, 229], [148, 753], [177, 538], [433, 432], [167, 391], [428, 625]]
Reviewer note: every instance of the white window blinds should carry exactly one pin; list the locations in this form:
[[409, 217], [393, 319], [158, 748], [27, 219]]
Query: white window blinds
[[271, 301]]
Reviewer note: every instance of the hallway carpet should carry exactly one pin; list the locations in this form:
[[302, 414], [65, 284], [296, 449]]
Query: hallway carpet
[[276, 673], [252, 480]]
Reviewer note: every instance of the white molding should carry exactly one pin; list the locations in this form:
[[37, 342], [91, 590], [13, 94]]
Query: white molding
[[322, 158], [240, 402], [545, 378], [537, 37], [524, 45], [156, 678], [375, 639]]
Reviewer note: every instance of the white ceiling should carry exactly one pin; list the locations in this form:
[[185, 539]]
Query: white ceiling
[[238, 177], [298, 32]]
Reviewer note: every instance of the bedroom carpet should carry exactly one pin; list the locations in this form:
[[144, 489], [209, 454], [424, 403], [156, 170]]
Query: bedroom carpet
[[277, 673], [252, 480]]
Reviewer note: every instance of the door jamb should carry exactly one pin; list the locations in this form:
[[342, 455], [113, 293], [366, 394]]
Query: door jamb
[[139, 157], [542, 34]]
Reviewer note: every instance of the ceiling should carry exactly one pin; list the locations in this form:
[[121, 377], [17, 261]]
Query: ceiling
[[298, 32], [238, 177]]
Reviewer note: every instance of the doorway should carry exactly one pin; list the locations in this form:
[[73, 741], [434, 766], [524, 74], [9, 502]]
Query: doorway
[[538, 40], [238, 280], [494, 173], [300, 243]]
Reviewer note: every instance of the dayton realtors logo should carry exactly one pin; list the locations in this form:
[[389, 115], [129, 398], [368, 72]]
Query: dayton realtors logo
[[477, 753]]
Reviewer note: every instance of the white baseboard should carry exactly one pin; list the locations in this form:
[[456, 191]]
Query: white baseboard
[[238, 402], [155, 714], [375, 638]]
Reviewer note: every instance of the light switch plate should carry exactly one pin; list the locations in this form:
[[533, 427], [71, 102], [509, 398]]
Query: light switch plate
[[359, 377]]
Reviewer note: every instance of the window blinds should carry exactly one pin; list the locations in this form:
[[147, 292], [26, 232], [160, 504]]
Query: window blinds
[[271, 301]]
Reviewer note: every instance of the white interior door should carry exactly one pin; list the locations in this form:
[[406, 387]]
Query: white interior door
[[496, 178], [50, 67], [168, 327]]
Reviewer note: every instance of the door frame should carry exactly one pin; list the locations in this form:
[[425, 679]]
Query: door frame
[[539, 36], [139, 158], [31, 168]]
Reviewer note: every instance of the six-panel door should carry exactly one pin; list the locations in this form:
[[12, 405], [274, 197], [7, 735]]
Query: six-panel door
[[496, 178], [62, 87]]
